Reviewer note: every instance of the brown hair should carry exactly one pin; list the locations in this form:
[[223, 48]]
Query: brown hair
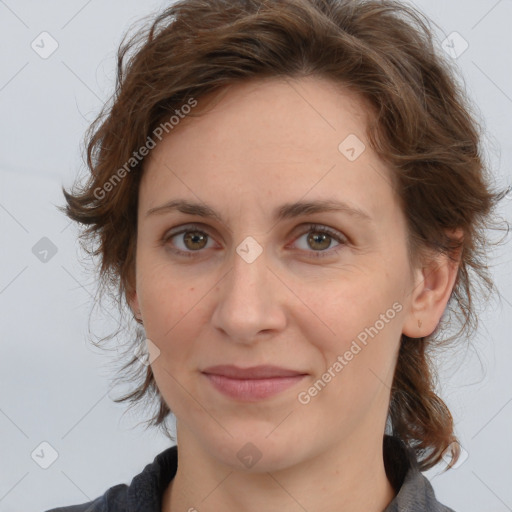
[[422, 128]]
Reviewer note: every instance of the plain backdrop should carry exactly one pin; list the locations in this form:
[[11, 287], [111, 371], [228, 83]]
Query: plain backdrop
[[55, 386]]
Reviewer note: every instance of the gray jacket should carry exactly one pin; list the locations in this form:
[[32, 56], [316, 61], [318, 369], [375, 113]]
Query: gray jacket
[[144, 494]]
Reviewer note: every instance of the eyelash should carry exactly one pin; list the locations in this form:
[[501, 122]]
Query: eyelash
[[309, 228]]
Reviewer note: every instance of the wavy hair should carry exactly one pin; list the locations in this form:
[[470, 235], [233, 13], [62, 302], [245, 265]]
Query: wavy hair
[[422, 125]]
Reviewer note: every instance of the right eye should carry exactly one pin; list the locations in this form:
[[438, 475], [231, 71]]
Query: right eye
[[194, 241]]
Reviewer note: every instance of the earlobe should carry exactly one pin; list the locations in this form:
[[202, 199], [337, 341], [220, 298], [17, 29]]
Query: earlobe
[[430, 295]]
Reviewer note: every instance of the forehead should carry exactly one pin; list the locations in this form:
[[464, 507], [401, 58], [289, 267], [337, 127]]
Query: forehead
[[305, 108], [275, 136]]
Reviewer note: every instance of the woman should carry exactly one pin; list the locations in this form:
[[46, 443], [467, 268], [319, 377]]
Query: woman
[[289, 196]]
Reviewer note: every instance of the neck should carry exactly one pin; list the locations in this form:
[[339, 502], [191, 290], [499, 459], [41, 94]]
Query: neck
[[349, 478]]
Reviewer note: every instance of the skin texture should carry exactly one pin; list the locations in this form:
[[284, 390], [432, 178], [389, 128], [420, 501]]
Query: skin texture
[[260, 145]]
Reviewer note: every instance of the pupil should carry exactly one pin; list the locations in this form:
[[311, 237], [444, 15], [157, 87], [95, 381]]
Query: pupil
[[194, 238], [320, 236]]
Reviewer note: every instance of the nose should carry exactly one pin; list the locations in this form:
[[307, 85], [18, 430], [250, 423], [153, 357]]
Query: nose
[[249, 301]]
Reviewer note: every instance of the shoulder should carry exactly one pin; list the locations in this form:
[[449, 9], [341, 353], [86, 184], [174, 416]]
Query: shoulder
[[414, 491], [144, 492], [112, 500]]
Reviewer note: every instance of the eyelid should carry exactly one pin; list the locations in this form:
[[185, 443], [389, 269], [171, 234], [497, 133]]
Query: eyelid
[[194, 226], [321, 228], [301, 229], [179, 230]]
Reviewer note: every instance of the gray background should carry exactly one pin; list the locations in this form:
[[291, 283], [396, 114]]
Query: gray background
[[56, 386]]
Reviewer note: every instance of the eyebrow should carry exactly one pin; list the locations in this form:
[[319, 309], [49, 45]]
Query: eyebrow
[[286, 211]]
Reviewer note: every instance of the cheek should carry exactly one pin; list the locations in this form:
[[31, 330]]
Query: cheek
[[160, 288], [357, 336], [346, 308], [171, 320], [166, 302], [356, 364]]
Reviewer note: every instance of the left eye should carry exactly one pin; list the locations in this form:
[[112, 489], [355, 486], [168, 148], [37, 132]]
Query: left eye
[[321, 237], [196, 239]]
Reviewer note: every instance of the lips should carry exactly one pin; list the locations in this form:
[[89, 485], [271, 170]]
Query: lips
[[255, 372], [251, 384]]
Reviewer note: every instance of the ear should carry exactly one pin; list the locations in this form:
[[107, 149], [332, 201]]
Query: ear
[[430, 294]]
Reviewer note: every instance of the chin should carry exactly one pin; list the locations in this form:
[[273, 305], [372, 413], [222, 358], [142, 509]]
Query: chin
[[255, 453]]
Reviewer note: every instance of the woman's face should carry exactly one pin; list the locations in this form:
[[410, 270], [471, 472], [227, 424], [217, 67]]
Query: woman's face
[[256, 285]]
